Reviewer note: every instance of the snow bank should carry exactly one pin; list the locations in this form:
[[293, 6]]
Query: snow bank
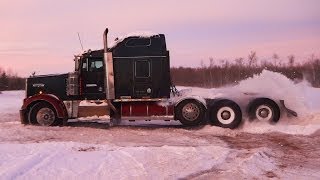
[[11, 101], [85, 161]]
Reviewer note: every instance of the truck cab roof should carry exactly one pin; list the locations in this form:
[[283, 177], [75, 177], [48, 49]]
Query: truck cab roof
[[134, 45]]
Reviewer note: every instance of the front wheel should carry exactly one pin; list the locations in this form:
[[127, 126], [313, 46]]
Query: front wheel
[[190, 112], [43, 114], [225, 113]]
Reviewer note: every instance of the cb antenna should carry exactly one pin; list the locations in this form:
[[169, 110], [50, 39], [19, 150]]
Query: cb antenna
[[80, 41]]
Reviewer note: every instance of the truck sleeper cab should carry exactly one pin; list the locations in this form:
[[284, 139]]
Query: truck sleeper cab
[[133, 78]]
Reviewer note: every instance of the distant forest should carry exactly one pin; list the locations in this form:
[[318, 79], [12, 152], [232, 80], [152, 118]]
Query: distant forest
[[222, 72], [10, 81], [218, 73]]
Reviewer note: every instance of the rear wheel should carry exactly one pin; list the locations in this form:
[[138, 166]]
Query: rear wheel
[[226, 114], [43, 114], [190, 112], [264, 109]]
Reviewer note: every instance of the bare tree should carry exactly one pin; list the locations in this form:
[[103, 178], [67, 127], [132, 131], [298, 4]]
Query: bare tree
[[291, 60], [210, 71], [252, 57], [312, 58], [211, 61], [239, 61], [202, 64], [275, 58]]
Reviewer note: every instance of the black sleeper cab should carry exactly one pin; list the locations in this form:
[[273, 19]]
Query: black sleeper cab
[[141, 68]]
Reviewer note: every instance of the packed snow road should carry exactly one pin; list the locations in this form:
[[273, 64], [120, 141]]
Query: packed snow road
[[86, 150], [91, 149]]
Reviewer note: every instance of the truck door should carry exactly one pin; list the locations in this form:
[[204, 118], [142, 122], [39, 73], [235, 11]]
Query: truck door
[[93, 77], [142, 78]]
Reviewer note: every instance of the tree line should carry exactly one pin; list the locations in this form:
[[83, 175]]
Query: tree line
[[10, 81], [218, 72], [231, 72]]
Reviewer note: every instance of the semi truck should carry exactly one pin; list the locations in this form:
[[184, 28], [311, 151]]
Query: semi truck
[[132, 77]]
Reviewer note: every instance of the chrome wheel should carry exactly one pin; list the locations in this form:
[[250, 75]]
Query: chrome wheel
[[264, 113], [226, 115], [45, 116], [190, 112]]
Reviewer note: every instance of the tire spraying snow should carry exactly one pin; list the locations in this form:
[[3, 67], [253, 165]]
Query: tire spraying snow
[[300, 97]]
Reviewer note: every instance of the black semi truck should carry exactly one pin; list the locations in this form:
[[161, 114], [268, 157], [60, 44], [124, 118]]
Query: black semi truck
[[133, 78]]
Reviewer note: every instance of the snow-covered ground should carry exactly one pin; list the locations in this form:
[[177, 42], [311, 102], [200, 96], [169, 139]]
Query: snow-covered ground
[[165, 150]]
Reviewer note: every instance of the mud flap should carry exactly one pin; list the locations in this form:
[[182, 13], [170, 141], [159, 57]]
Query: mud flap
[[115, 119], [289, 111], [65, 122], [23, 118]]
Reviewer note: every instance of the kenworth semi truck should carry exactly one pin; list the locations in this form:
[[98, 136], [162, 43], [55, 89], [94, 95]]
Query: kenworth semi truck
[[133, 78]]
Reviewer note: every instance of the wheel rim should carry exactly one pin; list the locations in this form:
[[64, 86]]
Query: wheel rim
[[45, 117], [264, 113], [190, 112], [226, 115]]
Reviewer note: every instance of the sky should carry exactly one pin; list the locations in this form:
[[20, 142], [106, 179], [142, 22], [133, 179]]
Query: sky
[[41, 35]]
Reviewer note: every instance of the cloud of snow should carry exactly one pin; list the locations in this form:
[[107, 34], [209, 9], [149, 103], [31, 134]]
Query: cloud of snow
[[300, 97]]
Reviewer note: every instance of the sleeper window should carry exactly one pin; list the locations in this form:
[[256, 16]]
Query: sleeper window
[[142, 69]]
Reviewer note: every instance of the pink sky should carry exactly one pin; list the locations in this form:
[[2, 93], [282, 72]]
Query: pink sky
[[41, 35]]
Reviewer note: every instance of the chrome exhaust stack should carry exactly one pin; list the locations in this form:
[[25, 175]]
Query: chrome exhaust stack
[[109, 76], [105, 40]]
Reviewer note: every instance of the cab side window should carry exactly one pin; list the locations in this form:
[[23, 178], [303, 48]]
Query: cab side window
[[95, 65]]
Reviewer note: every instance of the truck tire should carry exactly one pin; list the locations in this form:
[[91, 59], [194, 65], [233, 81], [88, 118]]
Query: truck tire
[[264, 109], [225, 113], [190, 112], [43, 114]]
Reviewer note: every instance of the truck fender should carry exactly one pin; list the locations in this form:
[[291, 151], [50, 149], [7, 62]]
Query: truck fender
[[53, 100]]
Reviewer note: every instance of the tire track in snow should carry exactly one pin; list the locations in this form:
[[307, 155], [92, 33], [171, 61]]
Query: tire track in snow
[[28, 164]]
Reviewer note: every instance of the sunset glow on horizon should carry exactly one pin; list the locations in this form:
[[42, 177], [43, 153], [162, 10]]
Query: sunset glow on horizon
[[41, 35]]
